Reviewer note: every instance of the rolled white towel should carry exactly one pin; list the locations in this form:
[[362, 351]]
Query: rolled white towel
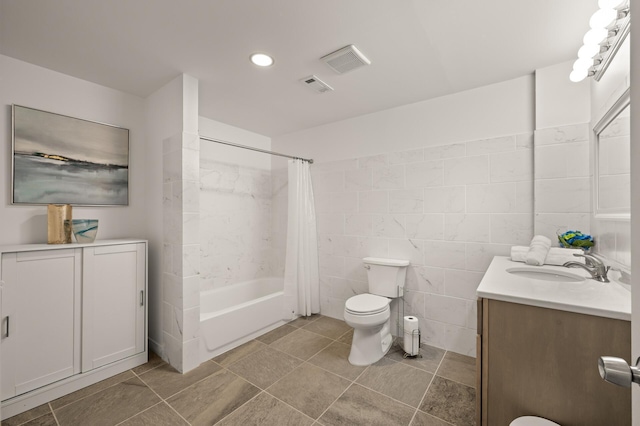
[[538, 250], [557, 255]]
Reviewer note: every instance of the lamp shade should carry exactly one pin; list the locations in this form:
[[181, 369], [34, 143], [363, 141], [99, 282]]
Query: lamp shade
[[588, 51], [612, 4], [595, 36], [583, 64], [578, 75], [603, 18]]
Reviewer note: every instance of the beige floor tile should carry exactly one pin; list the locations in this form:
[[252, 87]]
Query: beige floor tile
[[265, 410], [154, 361], [276, 334], [302, 321], [396, 380], [166, 381], [428, 360], [347, 337], [158, 415], [213, 398], [90, 390], [328, 327], [309, 389], [424, 419], [109, 406], [32, 414], [335, 358], [450, 401], [46, 420], [363, 407], [241, 351], [459, 368], [265, 367], [301, 344]]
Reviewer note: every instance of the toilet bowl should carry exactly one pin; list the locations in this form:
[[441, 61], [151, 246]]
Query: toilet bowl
[[532, 421], [369, 314]]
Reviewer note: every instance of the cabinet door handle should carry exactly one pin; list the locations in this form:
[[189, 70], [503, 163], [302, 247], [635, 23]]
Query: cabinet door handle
[[141, 297], [7, 319]]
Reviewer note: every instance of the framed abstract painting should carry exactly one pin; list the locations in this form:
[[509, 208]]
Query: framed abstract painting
[[64, 160]]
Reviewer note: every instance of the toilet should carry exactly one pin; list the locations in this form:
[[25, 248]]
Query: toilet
[[369, 313], [532, 421]]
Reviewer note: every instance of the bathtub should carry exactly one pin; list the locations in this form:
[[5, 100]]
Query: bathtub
[[233, 315]]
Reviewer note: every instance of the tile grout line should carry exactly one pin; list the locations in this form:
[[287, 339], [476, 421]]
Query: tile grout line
[[161, 398], [435, 373], [55, 418]]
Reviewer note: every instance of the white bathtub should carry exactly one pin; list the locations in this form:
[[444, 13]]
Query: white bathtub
[[233, 315]]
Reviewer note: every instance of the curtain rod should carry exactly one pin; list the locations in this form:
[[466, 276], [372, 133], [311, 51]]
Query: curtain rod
[[237, 145]]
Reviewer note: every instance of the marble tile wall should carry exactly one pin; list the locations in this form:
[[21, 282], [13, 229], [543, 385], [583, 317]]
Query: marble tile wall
[[236, 223], [181, 251], [448, 209], [562, 180]]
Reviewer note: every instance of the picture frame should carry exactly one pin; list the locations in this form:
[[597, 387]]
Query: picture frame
[[57, 159]]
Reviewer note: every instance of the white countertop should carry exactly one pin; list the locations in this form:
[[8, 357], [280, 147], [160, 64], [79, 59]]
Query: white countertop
[[611, 300]]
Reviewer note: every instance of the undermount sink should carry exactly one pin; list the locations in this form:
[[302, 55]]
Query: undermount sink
[[539, 273]]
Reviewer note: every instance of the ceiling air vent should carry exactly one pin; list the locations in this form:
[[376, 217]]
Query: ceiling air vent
[[346, 59], [316, 84]]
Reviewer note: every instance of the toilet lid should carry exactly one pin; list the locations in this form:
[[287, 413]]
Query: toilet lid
[[532, 421], [366, 304]]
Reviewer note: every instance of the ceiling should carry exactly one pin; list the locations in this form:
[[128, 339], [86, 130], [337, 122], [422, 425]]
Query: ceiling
[[419, 49]]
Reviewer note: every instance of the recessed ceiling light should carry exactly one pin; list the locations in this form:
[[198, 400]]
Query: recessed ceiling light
[[262, 59]]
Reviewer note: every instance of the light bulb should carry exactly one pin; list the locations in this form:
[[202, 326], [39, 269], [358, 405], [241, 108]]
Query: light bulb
[[578, 75], [583, 64], [612, 4], [262, 60], [595, 36], [603, 18], [588, 51]]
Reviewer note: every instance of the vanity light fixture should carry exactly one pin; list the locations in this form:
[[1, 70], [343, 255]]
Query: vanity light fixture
[[261, 59], [609, 27]]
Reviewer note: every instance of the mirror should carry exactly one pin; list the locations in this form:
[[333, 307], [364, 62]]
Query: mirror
[[612, 162]]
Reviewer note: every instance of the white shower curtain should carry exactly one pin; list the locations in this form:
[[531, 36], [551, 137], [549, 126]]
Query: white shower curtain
[[301, 276]]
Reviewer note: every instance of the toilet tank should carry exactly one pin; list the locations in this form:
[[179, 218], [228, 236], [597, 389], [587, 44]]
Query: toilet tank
[[386, 276]]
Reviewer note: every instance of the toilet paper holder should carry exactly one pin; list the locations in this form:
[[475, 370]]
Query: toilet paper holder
[[417, 353]]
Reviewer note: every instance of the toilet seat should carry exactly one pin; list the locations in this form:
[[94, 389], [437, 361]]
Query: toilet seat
[[366, 304], [532, 421]]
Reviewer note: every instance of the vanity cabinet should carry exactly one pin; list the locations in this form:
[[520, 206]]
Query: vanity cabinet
[[72, 315], [543, 362]]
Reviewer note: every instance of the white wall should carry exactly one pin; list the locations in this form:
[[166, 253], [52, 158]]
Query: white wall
[[233, 155], [32, 86], [445, 183], [562, 172], [505, 108]]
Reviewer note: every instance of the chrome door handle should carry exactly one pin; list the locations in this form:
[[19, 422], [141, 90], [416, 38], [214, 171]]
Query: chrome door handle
[[617, 371]]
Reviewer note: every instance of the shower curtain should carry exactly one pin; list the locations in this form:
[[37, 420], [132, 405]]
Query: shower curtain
[[301, 276]]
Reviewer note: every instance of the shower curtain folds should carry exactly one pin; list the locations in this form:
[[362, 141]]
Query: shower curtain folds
[[301, 276]]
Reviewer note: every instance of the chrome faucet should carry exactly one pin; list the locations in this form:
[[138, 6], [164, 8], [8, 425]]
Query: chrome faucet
[[593, 265]]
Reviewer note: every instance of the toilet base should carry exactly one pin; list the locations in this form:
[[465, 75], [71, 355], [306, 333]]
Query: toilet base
[[370, 344]]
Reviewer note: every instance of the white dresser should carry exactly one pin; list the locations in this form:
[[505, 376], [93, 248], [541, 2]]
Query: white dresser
[[72, 315]]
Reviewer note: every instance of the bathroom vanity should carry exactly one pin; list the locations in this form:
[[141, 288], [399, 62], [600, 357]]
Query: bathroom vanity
[[72, 315], [539, 339]]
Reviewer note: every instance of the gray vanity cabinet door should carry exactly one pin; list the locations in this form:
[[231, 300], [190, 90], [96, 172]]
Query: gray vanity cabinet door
[[114, 303], [40, 333]]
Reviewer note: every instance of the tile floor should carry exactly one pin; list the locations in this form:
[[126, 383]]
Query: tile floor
[[297, 374]]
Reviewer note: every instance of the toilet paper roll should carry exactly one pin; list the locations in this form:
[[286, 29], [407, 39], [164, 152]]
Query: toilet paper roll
[[411, 336]]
